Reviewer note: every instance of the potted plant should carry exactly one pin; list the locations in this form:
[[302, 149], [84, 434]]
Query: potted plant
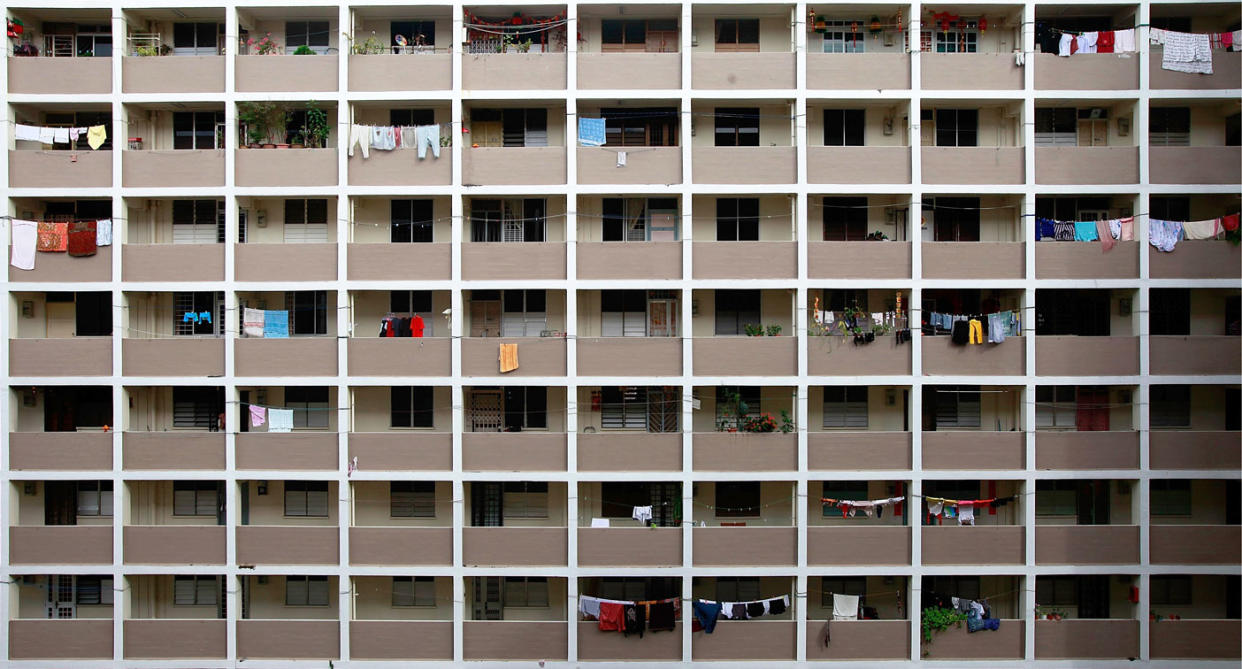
[[264, 46], [265, 122], [304, 50], [370, 46], [315, 132]]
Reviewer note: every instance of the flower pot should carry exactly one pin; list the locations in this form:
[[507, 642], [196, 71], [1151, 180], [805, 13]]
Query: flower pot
[[269, 146], [282, 146], [297, 146]]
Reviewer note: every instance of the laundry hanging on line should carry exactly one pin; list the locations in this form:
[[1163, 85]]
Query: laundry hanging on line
[[95, 135], [850, 507]]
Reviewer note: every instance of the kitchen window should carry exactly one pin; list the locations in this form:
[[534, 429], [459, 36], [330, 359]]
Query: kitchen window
[[737, 588], [195, 590], [957, 127], [737, 35], [198, 221], [94, 498], [737, 219], [1171, 590], [313, 34], [306, 591], [624, 313], [1170, 497], [82, 119], [844, 127], [198, 130], [639, 219], [845, 407], [412, 499], [197, 408], [306, 221], [412, 406], [638, 35], [306, 499], [737, 499], [197, 39], [845, 219], [416, 33], [956, 219], [309, 404], [737, 126], [1056, 407], [735, 309], [965, 587], [196, 498], [841, 585], [411, 117], [959, 39], [623, 408], [1056, 498], [413, 591], [1169, 126], [526, 591], [525, 499], [413, 303], [94, 591]]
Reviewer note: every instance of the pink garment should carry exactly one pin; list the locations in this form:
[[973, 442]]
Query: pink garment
[[258, 415], [1127, 229], [1106, 235]]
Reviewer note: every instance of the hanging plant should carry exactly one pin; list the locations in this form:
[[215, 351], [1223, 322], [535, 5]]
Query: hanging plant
[[936, 619]]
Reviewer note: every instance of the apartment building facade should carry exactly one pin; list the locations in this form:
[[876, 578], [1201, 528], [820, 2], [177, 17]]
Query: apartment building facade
[[737, 306]]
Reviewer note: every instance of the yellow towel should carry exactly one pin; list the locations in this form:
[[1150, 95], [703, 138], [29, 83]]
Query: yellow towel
[[508, 358], [95, 136]]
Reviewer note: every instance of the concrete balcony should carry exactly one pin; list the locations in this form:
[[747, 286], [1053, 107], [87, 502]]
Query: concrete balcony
[[155, 639], [60, 639], [629, 356], [859, 640], [401, 168], [279, 451], [1057, 260], [399, 262], [629, 452], [285, 167], [514, 451], [1005, 643], [1196, 544], [979, 545], [629, 260], [1192, 164], [76, 451], [650, 165], [1087, 165], [172, 262], [1086, 356], [746, 356], [1194, 355], [858, 451], [60, 544], [973, 164], [747, 640], [982, 450], [64, 76], [1179, 449], [406, 640], [59, 267], [59, 169], [289, 639], [173, 74], [537, 356], [741, 71], [513, 165], [514, 546], [1085, 72], [857, 71], [71, 356], [185, 356], [941, 357], [745, 452], [514, 71], [400, 356], [596, 645], [286, 73], [841, 545], [618, 71], [969, 71], [740, 546], [858, 260], [763, 164], [174, 544], [629, 547], [285, 262], [400, 72], [172, 169], [1198, 259], [745, 260], [401, 546], [502, 261], [974, 260], [838, 356], [1074, 639], [1087, 450], [298, 356], [1086, 544], [515, 640], [273, 544], [173, 450], [1193, 639], [402, 451], [1226, 72], [858, 164]]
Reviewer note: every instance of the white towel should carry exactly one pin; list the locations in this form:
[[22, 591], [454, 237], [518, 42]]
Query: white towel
[[844, 607], [46, 135], [252, 322], [588, 606], [280, 420], [1201, 229], [1123, 41], [1187, 52], [1065, 45], [103, 232], [25, 237], [26, 133], [61, 136], [965, 514], [642, 514]]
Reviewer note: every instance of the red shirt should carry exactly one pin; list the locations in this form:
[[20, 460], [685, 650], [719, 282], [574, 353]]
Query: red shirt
[[417, 325], [1104, 42], [610, 617]]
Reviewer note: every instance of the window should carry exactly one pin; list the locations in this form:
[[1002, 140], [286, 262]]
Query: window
[[639, 219], [413, 591], [624, 313], [843, 490], [737, 499], [623, 35], [308, 312], [1170, 406], [195, 590], [1233, 129], [845, 36], [624, 408], [92, 313], [1076, 208], [963, 38], [1056, 126], [94, 40], [196, 39], [845, 219], [416, 33], [94, 498], [957, 406], [1171, 590], [508, 220], [1170, 311], [737, 126], [1056, 407], [411, 221], [966, 587], [82, 119], [309, 404], [306, 221], [197, 130], [525, 499], [737, 34], [1056, 498], [411, 117], [737, 588], [196, 498], [306, 591], [737, 219], [1169, 126], [619, 500], [200, 313], [638, 588], [313, 34], [843, 299], [509, 127], [629, 126], [1056, 590], [748, 397], [957, 127], [412, 406], [841, 585], [94, 591], [844, 127], [526, 591], [295, 130], [1170, 497], [198, 221], [526, 407], [956, 218], [525, 313], [1170, 207], [735, 309], [306, 498], [412, 499], [1082, 312], [413, 302], [845, 407]]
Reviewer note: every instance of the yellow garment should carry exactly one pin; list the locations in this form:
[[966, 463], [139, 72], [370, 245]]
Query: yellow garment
[[96, 135], [508, 358], [976, 331]]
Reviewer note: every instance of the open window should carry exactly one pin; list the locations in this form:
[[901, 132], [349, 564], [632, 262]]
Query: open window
[[631, 126], [639, 219], [737, 35], [509, 127], [519, 220]]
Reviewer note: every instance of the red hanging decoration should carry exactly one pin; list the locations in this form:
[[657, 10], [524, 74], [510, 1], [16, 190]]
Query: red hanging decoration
[[983, 24]]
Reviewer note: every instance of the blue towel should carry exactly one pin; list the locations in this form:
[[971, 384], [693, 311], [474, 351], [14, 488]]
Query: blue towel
[[590, 131], [707, 614], [1045, 228], [275, 324], [1085, 231]]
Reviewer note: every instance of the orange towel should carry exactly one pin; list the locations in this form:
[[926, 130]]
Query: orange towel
[[508, 358]]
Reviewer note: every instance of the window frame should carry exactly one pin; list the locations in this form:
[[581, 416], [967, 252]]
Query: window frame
[[1171, 406], [518, 408], [101, 491], [418, 597], [204, 499], [1172, 497], [842, 585], [957, 127], [843, 35], [845, 127], [972, 418], [1169, 126], [1053, 410], [411, 221], [842, 405], [738, 499], [311, 597], [735, 34], [736, 126], [1172, 590], [526, 586], [314, 34], [737, 219], [411, 499], [206, 405], [102, 586], [738, 588], [525, 499], [201, 585], [300, 214], [1056, 498], [306, 489], [199, 137], [411, 407], [310, 406], [737, 308]]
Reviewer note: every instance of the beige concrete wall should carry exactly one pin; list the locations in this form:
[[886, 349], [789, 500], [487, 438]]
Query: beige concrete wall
[[775, 124], [555, 611], [775, 309], [373, 601], [151, 596], [269, 509], [775, 498], [772, 399], [267, 601], [371, 506], [373, 414]]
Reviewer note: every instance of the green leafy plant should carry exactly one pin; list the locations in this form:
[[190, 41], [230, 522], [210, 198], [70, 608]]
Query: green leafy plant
[[774, 330], [146, 50], [787, 423], [264, 46], [371, 46], [731, 411], [316, 129], [264, 121], [304, 50], [761, 423], [936, 619], [752, 330]]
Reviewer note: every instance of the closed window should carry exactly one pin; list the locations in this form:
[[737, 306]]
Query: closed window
[[306, 221], [956, 218], [413, 591], [856, 490], [412, 499], [737, 219], [737, 126], [308, 312], [196, 39], [1056, 498], [735, 309], [410, 117], [309, 404], [1170, 497], [845, 219], [1056, 590], [1170, 207], [1056, 407], [94, 590], [526, 591], [748, 398], [623, 35], [197, 408], [196, 498], [737, 34], [957, 406], [737, 499], [1056, 126], [624, 219], [306, 591], [855, 586], [1081, 312], [198, 130], [844, 127], [198, 221], [737, 588], [1171, 590], [623, 313], [412, 406], [845, 407], [844, 299], [94, 498], [960, 39], [526, 407], [631, 126], [195, 590], [844, 36], [306, 498], [411, 221], [1170, 406], [525, 313], [526, 499], [957, 127], [196, 314], [624, 408], [313, 34], [1169, 126]]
